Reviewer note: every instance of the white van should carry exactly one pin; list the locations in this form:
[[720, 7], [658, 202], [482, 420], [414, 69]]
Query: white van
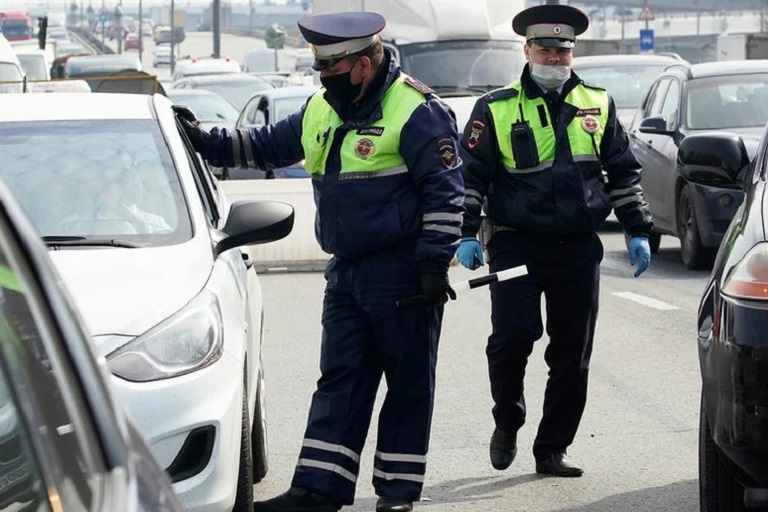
[[10, 67]]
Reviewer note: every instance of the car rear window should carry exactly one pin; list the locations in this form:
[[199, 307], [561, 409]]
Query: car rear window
[[96, 178]]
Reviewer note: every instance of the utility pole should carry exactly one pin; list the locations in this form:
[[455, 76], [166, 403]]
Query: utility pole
[[216, 21], [141, 34], [173, 40]]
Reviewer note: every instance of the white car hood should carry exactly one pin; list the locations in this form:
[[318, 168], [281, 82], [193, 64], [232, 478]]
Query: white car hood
[[128, 291], [462, 106]]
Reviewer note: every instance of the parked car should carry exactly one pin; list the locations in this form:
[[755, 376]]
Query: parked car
[[626, 77], [65, 442], [162, 55], [732, 320], [686, 99], [269, 107], [235, 87], [154, 256]]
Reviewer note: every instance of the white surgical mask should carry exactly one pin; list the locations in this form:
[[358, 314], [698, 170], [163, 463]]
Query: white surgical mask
[[550, 77]]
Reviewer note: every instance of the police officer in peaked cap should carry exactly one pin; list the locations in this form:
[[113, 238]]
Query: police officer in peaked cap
[[546, 159], [382, 152]]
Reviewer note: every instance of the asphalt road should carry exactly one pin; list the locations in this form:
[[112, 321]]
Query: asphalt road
[[638, 438]]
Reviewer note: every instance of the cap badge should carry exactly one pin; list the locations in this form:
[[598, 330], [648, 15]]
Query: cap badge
[[556, 29], [590, 124], [364, 148]]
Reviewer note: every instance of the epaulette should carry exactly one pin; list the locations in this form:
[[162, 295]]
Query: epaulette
[[500, 94], [592, 86], [419, 85]]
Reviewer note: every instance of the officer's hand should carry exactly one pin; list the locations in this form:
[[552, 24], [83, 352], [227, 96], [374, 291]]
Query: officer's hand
[[185, 113], [436, 289], [197, 135], [469, 253], [640, 253]]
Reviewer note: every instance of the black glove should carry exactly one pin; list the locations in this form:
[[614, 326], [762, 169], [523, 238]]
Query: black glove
[[197, 135], [436, 289], [185, 113]]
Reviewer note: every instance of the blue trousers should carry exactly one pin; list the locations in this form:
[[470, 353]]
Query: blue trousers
[[365, 337], [566, 270]]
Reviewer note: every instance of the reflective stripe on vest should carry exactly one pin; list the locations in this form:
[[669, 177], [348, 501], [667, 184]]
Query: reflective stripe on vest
[[370, 152], [593, 108]]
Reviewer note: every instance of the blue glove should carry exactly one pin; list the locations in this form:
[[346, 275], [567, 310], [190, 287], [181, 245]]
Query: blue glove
[[640, 252], [469, 253]]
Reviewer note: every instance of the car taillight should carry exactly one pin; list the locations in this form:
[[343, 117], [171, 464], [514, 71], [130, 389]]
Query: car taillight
[[749, 278]]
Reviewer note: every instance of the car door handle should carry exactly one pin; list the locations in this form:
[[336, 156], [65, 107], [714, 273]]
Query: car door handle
[[247, 260]]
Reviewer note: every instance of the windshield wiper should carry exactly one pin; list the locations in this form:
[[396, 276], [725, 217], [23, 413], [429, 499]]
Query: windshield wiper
[[82, 241], [483, 88]]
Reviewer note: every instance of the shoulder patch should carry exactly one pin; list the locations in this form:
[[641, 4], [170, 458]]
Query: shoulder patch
[[419, 85], [593, 85], [500, 94]]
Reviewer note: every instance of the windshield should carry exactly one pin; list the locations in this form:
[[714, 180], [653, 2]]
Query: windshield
[[208, 108], [237, 93], [728, 101], [626, 83], [15, 28], [461, 66], [96, 179], [34, 66], [9, 72]]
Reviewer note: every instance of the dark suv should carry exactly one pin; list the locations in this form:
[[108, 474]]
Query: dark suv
[[685, 99]]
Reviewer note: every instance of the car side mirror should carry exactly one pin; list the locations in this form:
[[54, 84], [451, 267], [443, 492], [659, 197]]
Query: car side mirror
[[656, 125], [713, 159], [254, 222]]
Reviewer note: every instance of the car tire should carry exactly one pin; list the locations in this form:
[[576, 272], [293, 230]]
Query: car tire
[[654, 241], [695, 255], [260, 452], [718, 489], [244, 497]]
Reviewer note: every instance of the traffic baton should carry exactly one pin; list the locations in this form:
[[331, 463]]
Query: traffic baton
[[470, 284]]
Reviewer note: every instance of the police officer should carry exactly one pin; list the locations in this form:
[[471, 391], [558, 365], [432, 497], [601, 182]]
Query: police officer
[[548, 158], [382, 151]]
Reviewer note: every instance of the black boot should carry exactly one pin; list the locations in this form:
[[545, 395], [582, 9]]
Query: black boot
[[503, 449], [386, 504], [558, 464], [296, 499]]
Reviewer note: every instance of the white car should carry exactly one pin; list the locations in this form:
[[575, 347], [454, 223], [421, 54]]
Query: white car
[[154, 257]]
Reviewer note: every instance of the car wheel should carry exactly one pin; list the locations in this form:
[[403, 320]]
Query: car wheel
[[654, 241], [695, 255], [260, 454], [718, 489], [244, 497]]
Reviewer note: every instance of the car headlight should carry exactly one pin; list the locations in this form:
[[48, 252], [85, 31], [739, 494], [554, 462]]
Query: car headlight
[[186, 342], [749, 278]]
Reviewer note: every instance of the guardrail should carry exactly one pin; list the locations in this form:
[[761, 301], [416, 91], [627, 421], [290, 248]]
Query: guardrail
[[92, 40]]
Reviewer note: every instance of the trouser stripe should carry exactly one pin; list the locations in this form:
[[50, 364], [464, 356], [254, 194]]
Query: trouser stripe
[[377, 473], [335, 468], [401, 457], [330, 447]]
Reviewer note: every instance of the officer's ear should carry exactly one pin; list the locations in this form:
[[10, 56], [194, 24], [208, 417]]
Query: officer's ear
[[366, 66]]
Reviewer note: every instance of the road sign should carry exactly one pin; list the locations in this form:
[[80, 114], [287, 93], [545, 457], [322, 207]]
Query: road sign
[[646, 14], [646, 39]]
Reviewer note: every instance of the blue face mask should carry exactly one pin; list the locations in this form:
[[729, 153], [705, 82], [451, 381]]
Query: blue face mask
[[340, 87]]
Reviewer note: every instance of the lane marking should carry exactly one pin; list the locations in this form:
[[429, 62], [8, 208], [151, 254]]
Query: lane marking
[[646, 301]]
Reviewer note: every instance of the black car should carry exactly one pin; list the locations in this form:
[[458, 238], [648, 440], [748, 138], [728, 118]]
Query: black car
[[64, 442], [732, 324], [687, 99]]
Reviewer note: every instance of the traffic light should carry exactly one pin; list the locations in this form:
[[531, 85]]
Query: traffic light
[[275, 37]]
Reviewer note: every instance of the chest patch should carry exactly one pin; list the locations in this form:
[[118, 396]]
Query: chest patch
[[589, 112], [364, 148], [373, 131]]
